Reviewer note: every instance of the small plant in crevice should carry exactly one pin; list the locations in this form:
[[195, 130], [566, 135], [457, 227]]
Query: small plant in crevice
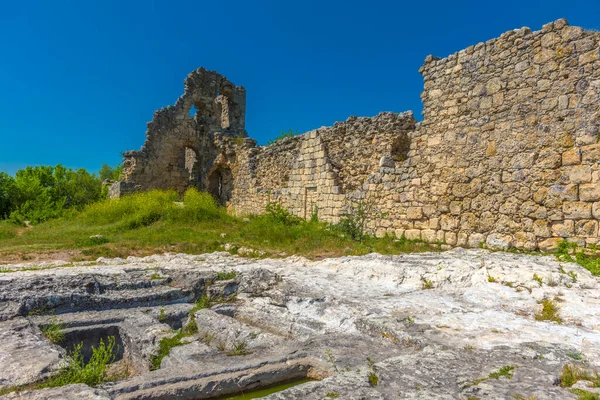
[[331, 360], [225, 276], [570, 374], [575, 356], [162, 315], [505, 371], [54, 330], [537, 279], [332, 395], [426, 283], [239, 349], [373, 378], [550, 312], [491, 279]]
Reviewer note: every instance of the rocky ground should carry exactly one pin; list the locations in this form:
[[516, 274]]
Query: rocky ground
[[454, 325]]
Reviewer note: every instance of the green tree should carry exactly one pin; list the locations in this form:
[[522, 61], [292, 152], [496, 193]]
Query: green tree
[[7, 183], [44, 192], [111, 173]]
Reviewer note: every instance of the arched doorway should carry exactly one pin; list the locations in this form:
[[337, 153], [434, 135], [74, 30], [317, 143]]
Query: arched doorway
[[220, 184]]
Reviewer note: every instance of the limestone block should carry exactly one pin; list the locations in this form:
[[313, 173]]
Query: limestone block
[[475, 240], [580, 174], [413, 234], [525, 241], [414, 213], [541, 228], [499, 241], [461, 239], [586, 228], [564, 228], [577, 210], [589, 192], [428, 235], [450, 238], [596, 210], [591, 153], [549, 245], [571, 157]]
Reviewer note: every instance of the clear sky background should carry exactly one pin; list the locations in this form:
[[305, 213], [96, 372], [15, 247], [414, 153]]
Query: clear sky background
[[80, 79]]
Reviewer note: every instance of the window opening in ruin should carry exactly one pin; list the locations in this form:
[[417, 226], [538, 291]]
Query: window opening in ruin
[[400, 148], [193, 111], [192, 166], [220, 184]]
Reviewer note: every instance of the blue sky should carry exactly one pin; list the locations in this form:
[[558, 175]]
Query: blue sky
[[79, 80]]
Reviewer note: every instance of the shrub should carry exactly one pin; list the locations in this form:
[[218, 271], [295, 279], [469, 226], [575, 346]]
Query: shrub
[[281, 215], [355, 220], [550, 312], [91, 373], [198, 207], [283, 135]]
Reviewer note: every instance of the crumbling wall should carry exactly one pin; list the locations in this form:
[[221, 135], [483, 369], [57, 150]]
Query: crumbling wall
[[321, 170], [507, 153], [180, 147]]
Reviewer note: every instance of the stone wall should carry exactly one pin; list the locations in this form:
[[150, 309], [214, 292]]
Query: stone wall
[[508, 149], [321, 170], [507, 153]]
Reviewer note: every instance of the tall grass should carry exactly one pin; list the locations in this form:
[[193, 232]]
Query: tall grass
[[151, 222], [7, 231], [131, 212]]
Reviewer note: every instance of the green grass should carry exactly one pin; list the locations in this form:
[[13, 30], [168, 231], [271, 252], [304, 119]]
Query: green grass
[[225, 276], [149, 223], [239, 349], [166, 344], [7, 231], [567, 251], [54, 330], [550, 312], [505, 371], [571, 374]]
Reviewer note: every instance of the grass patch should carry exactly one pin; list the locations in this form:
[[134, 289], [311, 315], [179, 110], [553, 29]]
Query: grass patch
[[373, 378], [505, 371], [567, 251], [225, 276], [149, 223], [550, 312], [585, 395], [571, 374], [54, 330], [7, 231], [166, 344], [239, 349]]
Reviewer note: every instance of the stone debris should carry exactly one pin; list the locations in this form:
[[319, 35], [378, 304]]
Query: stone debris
[[436, 325]]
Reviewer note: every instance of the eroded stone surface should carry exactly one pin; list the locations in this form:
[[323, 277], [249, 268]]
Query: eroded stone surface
[[433, 323]]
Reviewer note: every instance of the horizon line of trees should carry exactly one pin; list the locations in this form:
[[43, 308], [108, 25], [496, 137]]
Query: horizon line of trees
[[37, 194]]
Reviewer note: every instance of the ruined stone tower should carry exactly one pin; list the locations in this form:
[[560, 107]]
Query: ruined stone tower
[[184, 141]]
